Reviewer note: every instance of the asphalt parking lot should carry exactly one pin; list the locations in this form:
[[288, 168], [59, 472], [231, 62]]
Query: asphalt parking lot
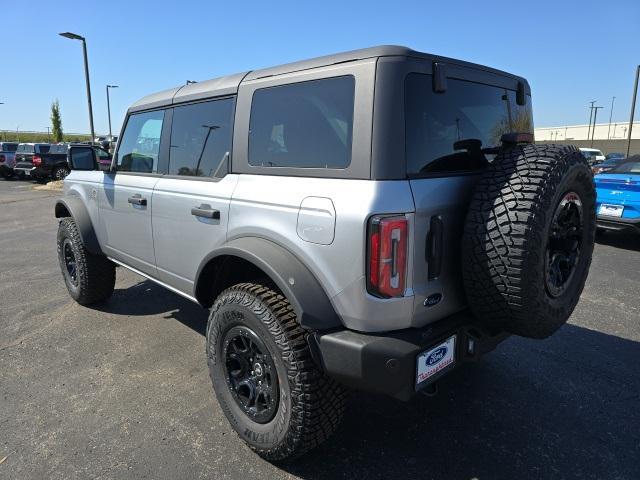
[[123, 391]]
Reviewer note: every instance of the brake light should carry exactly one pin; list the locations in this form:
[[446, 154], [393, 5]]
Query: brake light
[[387, 252], [36, 160]]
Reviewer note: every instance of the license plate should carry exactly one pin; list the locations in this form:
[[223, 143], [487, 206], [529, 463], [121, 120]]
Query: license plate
[[435, 360], [27, 173], [611, 210]]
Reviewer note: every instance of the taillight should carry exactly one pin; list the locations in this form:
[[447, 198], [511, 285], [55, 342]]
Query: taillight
[[387, 254], [36, 160]]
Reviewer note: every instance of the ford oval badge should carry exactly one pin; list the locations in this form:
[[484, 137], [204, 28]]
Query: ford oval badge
[[436, 356], [432, 300]]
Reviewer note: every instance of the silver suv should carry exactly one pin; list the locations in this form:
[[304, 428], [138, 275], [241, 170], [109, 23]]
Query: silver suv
[[371, 219]]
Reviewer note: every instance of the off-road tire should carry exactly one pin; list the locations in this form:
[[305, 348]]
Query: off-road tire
[[60, 173], [96, 274], [310, 404], [506, 235]]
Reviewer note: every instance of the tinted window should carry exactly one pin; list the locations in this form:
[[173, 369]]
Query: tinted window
[[59, 148], [448, 131], [138, 151], [627, 167], [43, 148], [25, 148], [200, 137], [9, 147], [304, 125]]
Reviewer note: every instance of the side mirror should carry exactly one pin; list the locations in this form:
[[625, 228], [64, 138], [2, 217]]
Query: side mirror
[[82, 158]]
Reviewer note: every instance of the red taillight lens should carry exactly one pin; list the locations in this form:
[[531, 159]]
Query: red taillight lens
[[36, 160], [387, 256]]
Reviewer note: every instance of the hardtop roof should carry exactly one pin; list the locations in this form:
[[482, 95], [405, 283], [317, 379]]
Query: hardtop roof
[[228, 85]]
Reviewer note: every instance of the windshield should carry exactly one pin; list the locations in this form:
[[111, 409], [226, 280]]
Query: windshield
[[626, 167], [448, 131]]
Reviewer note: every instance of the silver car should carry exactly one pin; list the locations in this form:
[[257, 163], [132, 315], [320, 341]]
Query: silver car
[[370, 220]]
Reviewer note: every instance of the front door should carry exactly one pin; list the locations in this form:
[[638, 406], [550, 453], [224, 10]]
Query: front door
[[126, 201]]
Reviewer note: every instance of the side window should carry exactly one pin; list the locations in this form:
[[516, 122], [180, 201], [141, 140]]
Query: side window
[[303, 125], [200, 137], [138, 151], [11, 147]]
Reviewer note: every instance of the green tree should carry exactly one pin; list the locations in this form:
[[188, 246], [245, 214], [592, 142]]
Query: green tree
[[56, 122]]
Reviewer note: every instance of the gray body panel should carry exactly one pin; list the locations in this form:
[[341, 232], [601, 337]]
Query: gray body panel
[[317, 216]]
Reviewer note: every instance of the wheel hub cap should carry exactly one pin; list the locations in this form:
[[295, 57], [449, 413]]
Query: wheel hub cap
[[250, 374], [564, 244], [70, 262]]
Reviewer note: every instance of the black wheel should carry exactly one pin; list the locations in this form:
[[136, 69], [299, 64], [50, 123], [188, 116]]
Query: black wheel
[[60, 173], [528, 239], [266, 382], [89, 278]]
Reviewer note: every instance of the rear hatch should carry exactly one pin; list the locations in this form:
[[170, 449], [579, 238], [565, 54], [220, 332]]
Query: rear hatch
[[448, 140], [618, 194], [24, 155]]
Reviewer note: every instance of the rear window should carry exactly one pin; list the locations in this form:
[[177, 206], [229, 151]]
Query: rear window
[[8, 147], [24, 148], [303, 125], [59, 148], [43, 148], [447, 132]]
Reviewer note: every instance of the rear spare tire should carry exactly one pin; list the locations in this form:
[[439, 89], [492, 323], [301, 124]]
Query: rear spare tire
[[528, 239]]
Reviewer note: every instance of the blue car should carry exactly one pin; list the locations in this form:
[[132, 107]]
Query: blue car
[[618, 196]]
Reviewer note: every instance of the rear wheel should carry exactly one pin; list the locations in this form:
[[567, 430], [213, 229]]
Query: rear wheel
[[529, 238], [89, 278], [60, 173], [266, 382]]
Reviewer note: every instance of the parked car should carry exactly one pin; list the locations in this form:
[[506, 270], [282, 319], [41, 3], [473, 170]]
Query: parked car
[[53, 163], [593, 155], [106, 142], [606, 165], [618, 196], [25, 154], [375, 223], [7, 158]]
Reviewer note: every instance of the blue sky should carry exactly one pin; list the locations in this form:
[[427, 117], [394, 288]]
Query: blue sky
[[570, 51]]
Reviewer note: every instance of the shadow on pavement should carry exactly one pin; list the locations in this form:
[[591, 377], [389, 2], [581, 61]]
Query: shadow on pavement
[[565, 407], [625, 240], [151, 299]]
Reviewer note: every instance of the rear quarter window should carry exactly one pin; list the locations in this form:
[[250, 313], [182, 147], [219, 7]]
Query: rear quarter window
[[447, 132], [303, 125]]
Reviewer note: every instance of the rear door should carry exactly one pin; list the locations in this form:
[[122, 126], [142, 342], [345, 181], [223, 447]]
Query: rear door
[[191, 202], [445, 137], [126, 199]]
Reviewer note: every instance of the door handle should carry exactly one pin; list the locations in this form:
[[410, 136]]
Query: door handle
[[137, 199], [205, 211]]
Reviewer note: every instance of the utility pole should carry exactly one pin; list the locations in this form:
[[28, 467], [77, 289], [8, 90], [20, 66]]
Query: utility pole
[[590, 118], [610, 117], [633, 109], [49, 134], [595, 115]]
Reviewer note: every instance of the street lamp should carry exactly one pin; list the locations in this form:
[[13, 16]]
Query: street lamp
[[109, 109], [74, 36]]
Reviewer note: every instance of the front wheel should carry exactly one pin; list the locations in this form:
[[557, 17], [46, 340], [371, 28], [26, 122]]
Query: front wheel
[[266, 382], [89, 278], [60, 173]]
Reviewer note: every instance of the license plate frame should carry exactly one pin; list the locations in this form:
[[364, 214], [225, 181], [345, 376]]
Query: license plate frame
[[611, 210], [435, 360]]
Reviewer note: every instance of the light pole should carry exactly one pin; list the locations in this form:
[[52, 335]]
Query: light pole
[[633, 109], [3, 134], [610, 117], [74, 36], [109, 109], [590, 118], [593, 131]]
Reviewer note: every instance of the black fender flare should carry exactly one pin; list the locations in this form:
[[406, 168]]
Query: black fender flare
[[72, 206], [308, 299]]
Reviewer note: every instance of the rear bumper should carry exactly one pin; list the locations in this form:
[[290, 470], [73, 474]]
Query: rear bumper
[[618, 224], [386, 363]]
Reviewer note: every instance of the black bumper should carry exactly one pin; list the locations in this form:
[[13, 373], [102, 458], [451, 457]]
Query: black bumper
[[618, 224], [386, 363]]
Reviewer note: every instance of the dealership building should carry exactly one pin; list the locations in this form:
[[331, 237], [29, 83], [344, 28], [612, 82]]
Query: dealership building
[[607, 137]]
